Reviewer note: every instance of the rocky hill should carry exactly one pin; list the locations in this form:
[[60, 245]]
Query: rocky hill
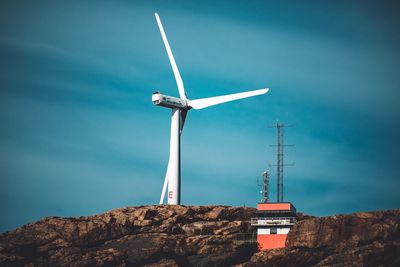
[[359, 239], [146, 235], [200, 236]]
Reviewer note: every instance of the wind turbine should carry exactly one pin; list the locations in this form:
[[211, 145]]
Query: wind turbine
[[180, 107]]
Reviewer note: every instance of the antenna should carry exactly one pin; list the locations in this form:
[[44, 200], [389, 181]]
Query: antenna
[[265, 187], [279, 159]]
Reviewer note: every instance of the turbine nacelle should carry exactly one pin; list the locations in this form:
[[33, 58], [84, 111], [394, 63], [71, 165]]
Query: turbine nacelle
[[168, 101]]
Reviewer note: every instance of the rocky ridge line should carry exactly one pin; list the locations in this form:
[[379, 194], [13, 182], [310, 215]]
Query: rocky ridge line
[[133, 236], [200, 236], [358, 239]]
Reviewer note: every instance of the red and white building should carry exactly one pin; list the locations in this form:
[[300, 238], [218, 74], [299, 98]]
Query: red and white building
[[273, 223]]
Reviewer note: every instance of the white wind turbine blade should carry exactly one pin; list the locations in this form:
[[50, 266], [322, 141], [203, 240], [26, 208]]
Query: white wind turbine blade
[[164, 189], [211, 101], [177, 75]]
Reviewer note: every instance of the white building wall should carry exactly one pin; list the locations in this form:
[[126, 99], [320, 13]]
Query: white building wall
[[280, 231], [263, 231], [283, 231]]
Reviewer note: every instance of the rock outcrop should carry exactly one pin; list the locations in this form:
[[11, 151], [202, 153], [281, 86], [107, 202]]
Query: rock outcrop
[[136, 236], [359, 239], [200, 236]]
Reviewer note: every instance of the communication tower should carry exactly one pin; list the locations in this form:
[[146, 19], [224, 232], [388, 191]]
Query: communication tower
[[273, 221], [279, 159]]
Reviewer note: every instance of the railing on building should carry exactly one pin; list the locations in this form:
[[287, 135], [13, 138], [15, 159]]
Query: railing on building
[[273, 221], [245, 237]]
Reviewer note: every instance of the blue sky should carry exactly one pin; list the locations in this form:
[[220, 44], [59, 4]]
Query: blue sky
[[79, 134]]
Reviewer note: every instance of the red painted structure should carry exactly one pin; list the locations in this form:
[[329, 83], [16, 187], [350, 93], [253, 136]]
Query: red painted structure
[[275, 206], [271, 241], [273, 223]]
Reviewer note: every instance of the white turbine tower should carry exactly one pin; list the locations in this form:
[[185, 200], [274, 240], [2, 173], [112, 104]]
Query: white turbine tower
[[180, 107]]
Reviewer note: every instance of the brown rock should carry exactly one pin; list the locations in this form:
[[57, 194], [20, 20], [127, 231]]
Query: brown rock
[[200, 236], [359, 239], [134, 236]]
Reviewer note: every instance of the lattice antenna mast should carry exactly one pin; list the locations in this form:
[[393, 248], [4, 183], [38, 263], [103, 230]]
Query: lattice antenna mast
[[279, 159]]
